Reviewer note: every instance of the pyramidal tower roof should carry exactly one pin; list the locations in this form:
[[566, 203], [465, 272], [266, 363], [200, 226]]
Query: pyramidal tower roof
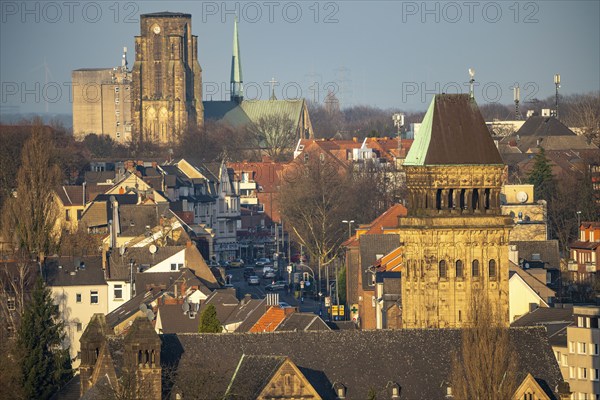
[[453, 132]]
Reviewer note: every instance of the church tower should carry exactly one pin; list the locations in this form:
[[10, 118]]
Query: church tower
[[167, 79], [455, 237], [237, 82]]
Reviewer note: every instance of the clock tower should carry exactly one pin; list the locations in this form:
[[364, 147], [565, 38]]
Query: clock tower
[[167, 79]]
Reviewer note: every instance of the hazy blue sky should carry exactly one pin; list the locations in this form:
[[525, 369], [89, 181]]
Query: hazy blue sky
[[389, 54]]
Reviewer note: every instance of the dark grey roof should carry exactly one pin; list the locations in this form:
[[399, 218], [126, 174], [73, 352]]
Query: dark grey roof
[[543, 126], [302, 322], [164, 280], [252, 375], [174, 320], [216, 110], [131, 307], [547, 249], [370, 247], [248, 312], [224, 301], [418, 360], [74, 271], [134, 219], [555, 320], [70, 391], [119, 265]]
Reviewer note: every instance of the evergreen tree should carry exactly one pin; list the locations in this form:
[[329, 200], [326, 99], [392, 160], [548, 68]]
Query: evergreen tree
[[209, 323], [541, 177], [45, 365]]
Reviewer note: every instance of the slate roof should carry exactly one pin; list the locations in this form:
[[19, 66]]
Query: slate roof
[[302, 322], [164, 280], [544, 126], [547, 249], [72, 195], [252, 375], [71, 273], [370, 247], [132, 306], [453, 132], [224, 301], [418, 360], [174, 320], [248, 313], [555, 320], [134, 219], [119, 266]]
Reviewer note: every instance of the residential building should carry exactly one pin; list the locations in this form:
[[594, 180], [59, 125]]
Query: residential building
[[526, 292], [584, 260], [79, 290]]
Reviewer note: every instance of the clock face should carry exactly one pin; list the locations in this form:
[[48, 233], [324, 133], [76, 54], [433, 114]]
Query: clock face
[[156, 29], [522, 197]]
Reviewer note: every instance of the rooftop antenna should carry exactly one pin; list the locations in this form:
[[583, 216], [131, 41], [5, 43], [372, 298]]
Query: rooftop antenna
[[557, 84], [517, 98], [471, 83]]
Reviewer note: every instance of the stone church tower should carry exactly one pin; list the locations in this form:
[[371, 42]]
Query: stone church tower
[[167, 79], [455, 238]]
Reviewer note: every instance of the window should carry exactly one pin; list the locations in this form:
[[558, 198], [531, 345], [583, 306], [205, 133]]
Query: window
[[565, 360], [118, 292], [443, 269], [173, 267], [179, 266], [492, 269], [571, 372], [78, 298], [10, 302], [594, 349], [571, 347], [94, 297], [79, 327], [557, 355], [582, 373], [459, 268], [116, 89], [475, 269], [67, 215], [595, 374], [580, 322], [581, 347]]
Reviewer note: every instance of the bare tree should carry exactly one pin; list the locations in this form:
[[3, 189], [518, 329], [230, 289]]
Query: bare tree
[[583, 112], [275, 134], [486, 365], [30, 215], [16, 278]]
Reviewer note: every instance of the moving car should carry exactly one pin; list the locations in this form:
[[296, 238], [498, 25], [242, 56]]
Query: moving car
[[253, 280], [248, 271], [261, 262], [279, 285], [269, 274], [236, 263]]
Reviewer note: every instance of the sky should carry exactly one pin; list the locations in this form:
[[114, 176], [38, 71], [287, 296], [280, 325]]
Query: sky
[[387, 54]]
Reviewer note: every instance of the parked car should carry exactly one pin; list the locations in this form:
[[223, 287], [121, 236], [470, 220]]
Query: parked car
[[283, 304], [279, 285], [236, 263], [224, 263], [253, 280], [261, 262], [249, 271], [269, 274]]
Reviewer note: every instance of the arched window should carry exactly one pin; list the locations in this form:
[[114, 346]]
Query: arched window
[[475, 268], [492, 269], [422, 269], [451, 199], [407, 268], [443, 270], [475, 199], [462, 202], [459, 269], [438, 199]]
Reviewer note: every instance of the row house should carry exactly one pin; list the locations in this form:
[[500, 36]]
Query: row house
[[584, 258]]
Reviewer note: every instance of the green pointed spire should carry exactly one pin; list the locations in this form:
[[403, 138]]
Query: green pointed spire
[[237, 87]]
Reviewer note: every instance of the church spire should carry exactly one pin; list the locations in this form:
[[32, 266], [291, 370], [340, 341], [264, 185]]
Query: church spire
[[237, 86]]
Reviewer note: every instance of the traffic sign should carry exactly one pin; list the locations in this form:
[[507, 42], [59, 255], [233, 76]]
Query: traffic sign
[[289, 269], [327, 301], [334, 310]]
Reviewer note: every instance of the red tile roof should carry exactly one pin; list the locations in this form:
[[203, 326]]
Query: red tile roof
[[270, 320]]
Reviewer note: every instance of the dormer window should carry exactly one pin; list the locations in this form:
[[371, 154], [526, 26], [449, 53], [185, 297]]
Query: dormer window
[[340, 390]]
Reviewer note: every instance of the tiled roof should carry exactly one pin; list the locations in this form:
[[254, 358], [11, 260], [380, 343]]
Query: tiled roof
[[302, 322], [453, 132], [578, 244], [418, 360], [74, 271], [269, 321], [389, 219]]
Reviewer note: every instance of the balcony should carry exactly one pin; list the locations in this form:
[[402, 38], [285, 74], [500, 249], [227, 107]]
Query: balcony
[[590, 267], [573, 266], [248, 185]]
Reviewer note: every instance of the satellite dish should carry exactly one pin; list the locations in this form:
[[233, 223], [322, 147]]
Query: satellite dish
[[522, 197], [185, 306], [143, 308], [150, 315], [153, 249]]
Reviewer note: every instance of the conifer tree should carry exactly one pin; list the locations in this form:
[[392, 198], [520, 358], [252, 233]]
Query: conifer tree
[[45, 365], [209, 323], [541, 177]]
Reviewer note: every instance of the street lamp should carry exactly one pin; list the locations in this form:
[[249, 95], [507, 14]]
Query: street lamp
[[349, 226]]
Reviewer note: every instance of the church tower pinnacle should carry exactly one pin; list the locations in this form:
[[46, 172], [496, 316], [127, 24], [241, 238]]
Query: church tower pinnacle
[[237, 85]]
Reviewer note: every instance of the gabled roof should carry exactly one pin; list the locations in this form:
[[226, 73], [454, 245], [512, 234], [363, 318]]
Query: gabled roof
[[387, 220], [302, 321], [174, 320], [544, 126], [535, 284], [251, 376], [555, 320], [131, 307], [74, 271], [119, 265], [419, 360], [547, 249], [453, 132], [72, 195], [269, 321], [224, 301]]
